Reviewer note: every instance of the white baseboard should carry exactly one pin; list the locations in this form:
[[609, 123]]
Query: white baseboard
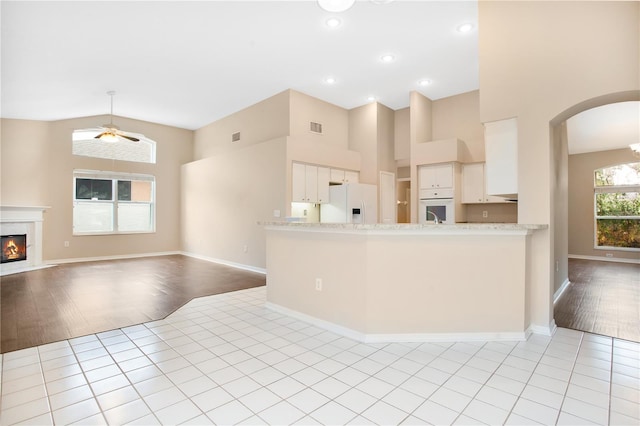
[[226, 263], [549, 330], [26, 269], [399, 337], [558, 293], [116, 257], [604, 259]]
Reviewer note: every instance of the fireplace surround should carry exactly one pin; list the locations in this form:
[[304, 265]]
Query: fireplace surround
[[19, 222]]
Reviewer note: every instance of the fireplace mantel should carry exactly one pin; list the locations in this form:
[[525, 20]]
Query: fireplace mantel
[[24, 220]]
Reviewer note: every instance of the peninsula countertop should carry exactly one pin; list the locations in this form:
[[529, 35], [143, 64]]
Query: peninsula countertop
[[429, 228]]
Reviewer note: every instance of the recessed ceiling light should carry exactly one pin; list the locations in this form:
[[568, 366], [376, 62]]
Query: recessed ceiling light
[[371, 98], [465, 28], [424, 82], [333, 22], [330, 80], [387, 58], [335, 6]]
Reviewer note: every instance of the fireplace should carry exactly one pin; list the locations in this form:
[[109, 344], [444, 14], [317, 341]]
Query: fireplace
[[14, 248]]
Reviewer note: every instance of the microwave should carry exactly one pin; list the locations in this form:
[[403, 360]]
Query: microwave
[[437, 210]]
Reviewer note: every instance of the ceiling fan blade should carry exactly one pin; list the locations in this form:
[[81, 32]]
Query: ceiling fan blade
[[131, 138], [100, 135]]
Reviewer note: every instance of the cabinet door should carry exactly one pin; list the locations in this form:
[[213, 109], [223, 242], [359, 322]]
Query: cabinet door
[[298, 182], [351, 176], [337, 176], [501, 152], [444, 176], [311, 184], [323, 184], [427, 177], [473, 183]]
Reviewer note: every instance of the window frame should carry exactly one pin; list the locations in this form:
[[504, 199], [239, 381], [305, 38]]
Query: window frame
[[114, 202], [611, 189]]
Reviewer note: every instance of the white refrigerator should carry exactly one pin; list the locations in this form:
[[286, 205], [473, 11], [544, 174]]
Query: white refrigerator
[[351, 203]]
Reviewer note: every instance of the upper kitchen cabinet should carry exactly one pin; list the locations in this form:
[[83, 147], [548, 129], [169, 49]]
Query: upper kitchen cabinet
[[474, 185], [438, 180], [339, 176], [309, 183], [501, 153], [436, 176]]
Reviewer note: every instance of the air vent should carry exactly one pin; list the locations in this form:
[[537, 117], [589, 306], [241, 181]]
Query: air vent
[[235, 137], [315, 128]]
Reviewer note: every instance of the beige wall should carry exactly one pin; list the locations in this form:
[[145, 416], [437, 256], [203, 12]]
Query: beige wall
[[487, 295], [402, 150], [538, 59], [581, 221], [385, 138], [223, 198], [459, 117], [363, 138], [334, 119], [45, 149], [265, 120]]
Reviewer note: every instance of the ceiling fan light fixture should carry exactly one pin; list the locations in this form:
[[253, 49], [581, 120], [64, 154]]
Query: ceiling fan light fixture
[[335, 6], [108, 137]]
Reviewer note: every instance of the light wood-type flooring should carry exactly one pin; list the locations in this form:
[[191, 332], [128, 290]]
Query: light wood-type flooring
[[603, 298], [72, 300]]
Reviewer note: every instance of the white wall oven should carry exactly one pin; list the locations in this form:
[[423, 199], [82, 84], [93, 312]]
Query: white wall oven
[[437, 210]]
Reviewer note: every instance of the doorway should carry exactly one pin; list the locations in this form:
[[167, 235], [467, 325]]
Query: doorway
[[594, 299], [403, 191]]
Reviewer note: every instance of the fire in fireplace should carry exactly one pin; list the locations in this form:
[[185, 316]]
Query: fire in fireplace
[[14, 248]]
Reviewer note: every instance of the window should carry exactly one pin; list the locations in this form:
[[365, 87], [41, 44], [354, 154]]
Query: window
[[617, 207], [85, 144], [112, 203]]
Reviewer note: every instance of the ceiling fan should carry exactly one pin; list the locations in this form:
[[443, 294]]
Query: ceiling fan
[[111, 132]]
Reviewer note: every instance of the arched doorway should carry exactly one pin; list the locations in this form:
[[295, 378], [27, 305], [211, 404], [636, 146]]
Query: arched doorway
[[560, 218]]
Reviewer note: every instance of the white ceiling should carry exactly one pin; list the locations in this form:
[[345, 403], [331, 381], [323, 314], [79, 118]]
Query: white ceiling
[[187, 64], [607, 127]]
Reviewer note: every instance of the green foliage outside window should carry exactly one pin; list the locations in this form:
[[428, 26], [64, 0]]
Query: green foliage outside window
[[617, 206]]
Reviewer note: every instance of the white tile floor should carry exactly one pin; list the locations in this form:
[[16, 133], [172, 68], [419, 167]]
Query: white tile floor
[[226, 359]]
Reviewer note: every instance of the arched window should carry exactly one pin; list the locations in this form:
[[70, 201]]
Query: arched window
[[617, 207], [85, 144]]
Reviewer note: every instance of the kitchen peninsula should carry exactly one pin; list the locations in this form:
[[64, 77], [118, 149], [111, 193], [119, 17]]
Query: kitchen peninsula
[[403, 282]]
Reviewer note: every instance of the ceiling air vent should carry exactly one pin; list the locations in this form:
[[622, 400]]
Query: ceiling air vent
[[315, 128], [235, 137]]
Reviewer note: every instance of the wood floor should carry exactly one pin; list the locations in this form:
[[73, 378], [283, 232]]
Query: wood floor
[[73, 300], [603, 298]]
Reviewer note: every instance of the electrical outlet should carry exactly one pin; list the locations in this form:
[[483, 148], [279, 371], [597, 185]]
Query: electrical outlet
[[276, 213], [319, 284], [66, 243], [609, 255], [245, 248], [485, 214]]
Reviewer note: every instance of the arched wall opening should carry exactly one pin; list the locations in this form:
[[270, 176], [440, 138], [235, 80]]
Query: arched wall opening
[[559, 181]]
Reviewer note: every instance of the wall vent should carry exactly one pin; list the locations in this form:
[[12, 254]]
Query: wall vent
[[235, 137], [315, 128]]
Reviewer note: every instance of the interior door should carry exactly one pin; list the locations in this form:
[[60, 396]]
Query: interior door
[[388, 203]]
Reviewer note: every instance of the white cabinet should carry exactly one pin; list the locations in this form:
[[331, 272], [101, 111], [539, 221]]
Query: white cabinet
[[501, 153], [309, 183], [436, 176], [473, 185], [438, 180], [323, 185], [344, 176], [351, 176]]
